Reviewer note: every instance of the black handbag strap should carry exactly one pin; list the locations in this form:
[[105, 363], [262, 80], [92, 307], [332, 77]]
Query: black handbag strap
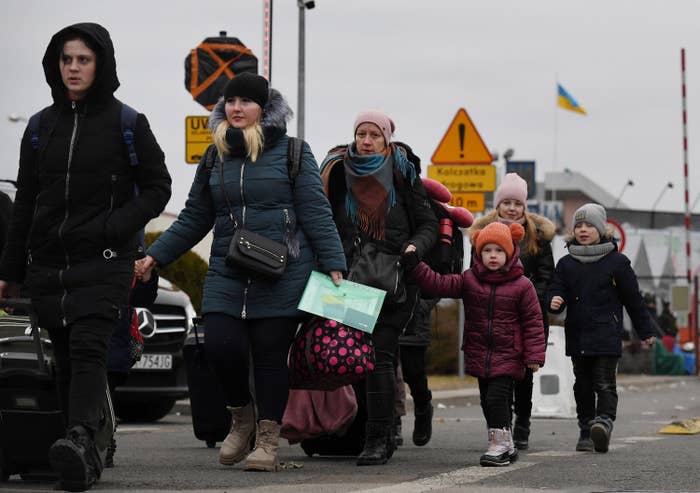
[[223, 190]]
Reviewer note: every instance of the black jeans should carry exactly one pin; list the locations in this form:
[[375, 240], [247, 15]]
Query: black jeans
[[414, 374], [495, 395], [522, 399], [595, 387], [80, 350], [381, 383], [228, 344]]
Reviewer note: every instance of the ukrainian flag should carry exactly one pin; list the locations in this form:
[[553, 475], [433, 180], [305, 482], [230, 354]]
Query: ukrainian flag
[[567, 102]]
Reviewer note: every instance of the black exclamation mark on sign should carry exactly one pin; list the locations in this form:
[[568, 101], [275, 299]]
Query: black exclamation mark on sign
[[461, 139]]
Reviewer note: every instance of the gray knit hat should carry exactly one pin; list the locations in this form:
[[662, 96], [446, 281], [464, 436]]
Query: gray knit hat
[[592, 214]]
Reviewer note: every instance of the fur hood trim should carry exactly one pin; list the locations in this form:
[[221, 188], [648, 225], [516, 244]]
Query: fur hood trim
[[276, 112], [545, 227]]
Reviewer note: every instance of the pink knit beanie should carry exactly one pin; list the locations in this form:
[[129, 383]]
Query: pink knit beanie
[[512, 187], [385, 124]]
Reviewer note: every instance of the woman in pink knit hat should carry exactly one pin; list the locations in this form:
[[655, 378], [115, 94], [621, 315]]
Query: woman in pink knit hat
[[510, 200], [378, 201]]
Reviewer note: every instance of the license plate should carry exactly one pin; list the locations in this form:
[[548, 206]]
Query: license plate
[[154, 362]]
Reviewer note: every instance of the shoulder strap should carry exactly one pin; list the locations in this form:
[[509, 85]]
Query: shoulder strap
[[33, 126], [128, 120], [295, 146], [209, 158]]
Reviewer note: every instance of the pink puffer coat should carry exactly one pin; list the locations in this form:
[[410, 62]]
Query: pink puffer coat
[[503, 329]]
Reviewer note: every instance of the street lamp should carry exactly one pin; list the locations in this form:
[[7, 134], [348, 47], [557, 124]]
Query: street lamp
[[15, 118], [301, 70], [629, 183], [653, 207]]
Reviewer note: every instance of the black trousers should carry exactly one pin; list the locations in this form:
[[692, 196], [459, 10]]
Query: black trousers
[[595, 387], [495, 395], [522, 399], [414, 373], [80, 350], [381, 383], [228, 345]]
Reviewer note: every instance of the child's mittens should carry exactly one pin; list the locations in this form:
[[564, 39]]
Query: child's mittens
[[409, 260]]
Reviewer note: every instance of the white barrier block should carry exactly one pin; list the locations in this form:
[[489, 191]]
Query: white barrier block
[[553, 385]]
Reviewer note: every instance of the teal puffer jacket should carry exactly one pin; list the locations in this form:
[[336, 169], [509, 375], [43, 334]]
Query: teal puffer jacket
[[272, 207]]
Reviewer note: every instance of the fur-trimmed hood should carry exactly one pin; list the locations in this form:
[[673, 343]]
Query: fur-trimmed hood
[[544, 227], [276, 112]]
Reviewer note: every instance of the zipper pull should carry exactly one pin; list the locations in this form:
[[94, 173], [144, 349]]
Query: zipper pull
[[73, 105]]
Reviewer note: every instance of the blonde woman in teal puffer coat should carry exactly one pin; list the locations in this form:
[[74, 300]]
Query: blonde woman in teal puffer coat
[[244, 312]]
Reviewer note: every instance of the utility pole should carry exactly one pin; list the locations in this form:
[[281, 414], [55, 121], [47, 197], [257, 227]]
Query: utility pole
[[301, 70]]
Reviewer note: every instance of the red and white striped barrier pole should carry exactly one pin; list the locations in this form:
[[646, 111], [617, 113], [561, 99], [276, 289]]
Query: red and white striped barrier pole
[[693, 322], [685, 168]]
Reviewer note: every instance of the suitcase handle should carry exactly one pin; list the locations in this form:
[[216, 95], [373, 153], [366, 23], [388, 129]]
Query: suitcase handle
[[26, 305]]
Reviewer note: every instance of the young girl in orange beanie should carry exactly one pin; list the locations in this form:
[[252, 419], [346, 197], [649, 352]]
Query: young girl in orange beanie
[[503, 331]]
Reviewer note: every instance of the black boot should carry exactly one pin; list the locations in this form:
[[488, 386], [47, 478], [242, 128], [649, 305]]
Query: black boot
[[423, 427], [377, 445], [521, 435], [76, 460]]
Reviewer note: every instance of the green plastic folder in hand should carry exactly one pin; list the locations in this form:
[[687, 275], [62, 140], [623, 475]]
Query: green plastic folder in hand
[[351, 304]]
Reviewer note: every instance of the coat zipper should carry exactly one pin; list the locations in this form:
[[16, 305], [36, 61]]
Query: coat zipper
[[244, 310], [65, 217], [113, 180], [489, 350], [246, 244]]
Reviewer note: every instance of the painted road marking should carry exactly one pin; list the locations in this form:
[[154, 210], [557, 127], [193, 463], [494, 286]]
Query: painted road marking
[[449, 479]]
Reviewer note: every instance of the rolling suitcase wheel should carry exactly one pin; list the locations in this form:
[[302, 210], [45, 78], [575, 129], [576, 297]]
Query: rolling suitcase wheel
[[211, 443]]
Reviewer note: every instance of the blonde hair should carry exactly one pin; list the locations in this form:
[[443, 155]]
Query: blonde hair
[[252, 136]]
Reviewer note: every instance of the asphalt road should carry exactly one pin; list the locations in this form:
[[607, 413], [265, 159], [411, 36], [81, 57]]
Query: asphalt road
[[165, 456]]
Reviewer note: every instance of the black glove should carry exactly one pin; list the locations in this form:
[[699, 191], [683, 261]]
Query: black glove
[[409, 260]]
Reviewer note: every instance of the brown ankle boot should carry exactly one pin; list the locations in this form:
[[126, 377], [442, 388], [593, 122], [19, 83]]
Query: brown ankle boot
[[264, 457], [237, 444]]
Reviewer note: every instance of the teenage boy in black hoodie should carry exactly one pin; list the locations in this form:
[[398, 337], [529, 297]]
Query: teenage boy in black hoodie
[[74, 234]]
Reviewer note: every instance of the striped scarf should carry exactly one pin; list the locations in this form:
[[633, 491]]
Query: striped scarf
[[370, 187]]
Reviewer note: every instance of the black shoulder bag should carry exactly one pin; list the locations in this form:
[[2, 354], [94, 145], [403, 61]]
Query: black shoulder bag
[[252, 251]]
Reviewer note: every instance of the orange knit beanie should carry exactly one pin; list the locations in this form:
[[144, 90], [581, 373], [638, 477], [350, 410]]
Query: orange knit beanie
[[500, 234]]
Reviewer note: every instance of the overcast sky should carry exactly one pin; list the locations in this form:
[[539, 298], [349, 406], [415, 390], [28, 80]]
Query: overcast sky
[[420, 62]]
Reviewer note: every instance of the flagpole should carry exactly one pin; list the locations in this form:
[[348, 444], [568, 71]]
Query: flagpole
[[554, 154]]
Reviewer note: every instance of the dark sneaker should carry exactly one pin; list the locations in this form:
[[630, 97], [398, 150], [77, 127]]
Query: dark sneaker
[[75, 459], [584, 445], [521, 435], [600, 434]]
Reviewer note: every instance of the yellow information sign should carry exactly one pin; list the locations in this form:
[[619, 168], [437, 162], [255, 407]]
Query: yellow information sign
[[474, 202], [461, 178], [197, 138], [462, 143]]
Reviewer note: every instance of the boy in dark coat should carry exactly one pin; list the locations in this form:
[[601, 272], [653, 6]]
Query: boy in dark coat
[[503, 331], [594, 281], [75, 226]]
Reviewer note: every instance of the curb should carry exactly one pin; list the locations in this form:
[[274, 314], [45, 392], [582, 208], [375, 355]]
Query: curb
[[625, 382]]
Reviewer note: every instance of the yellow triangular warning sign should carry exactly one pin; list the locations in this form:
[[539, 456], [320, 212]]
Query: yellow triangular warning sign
[[462, 143]]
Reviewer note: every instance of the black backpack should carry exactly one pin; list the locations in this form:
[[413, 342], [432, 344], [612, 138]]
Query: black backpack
[[295, 146]]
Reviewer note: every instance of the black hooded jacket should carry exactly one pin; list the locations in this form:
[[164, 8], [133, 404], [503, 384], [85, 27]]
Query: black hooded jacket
[[77, 194]]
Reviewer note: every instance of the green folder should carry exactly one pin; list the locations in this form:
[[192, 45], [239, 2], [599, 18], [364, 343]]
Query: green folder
[[351, 304]]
